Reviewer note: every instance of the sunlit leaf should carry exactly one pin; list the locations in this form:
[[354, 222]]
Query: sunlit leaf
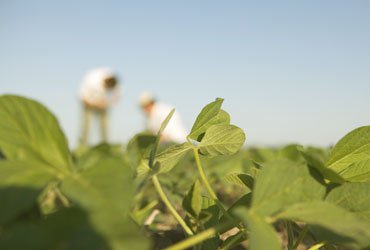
[[28, 131], [222, 140], [350, 157], [283, 183], [211, 114]]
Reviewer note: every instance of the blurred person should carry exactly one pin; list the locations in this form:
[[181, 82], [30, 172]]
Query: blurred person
[[156, 113], [99, 91]]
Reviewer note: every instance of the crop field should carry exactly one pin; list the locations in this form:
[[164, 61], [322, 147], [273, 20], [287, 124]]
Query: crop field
[[211, 192]]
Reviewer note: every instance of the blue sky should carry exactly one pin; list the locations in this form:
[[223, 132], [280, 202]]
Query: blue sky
[[290, 71]]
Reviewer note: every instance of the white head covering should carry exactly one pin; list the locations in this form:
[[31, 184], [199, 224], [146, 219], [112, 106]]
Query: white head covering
[[145, 98]]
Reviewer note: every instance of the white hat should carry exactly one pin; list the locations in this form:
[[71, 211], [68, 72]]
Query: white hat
[[145, 98]]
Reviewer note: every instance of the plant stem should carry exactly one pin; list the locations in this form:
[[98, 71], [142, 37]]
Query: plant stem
[[317, 246], [203, 176], [168, 204], [196, 239], [208, 186], [301, 236], [236, 239], [290, 233]]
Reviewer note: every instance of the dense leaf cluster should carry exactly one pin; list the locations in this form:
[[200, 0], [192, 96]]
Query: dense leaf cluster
[[202, 194]]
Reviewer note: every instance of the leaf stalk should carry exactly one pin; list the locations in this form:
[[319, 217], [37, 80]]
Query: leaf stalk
[[170, 207]]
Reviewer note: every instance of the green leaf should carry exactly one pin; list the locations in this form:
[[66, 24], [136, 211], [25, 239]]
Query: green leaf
[[209, 217], [282, 183], [331, 217], [350, 157], [353, 197], [222, 140], [221, 118], [209, 115], [153, 152], [68, 229], [192, 202], [28, 131], [143, 170], [262, 235], [168, 159], [244, 201], [210, 212], [138, 148], [290, 152], [20, 186], [93, 155], [314, 160], [105, 191], [240, 179]]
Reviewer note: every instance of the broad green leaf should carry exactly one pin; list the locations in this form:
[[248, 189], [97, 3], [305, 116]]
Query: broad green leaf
[[68, 229], [350, 157], [282, 183], [209, 217], [20, 186], [164, 124], [192, 202], [138, 148], [261, 234], [168, 159], [240, 179], [290, 152], [28, 131], [331, 217], [98, 153], [222, 140], [143, 169], [353, 197], [204, 120], [313, 160], [244, 201], [105, 191], [210, 212], [222, 118]]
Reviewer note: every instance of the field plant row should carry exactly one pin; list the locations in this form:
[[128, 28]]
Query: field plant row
[[207, 193]]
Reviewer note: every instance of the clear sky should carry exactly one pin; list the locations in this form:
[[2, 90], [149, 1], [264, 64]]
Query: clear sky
[[290, 71]]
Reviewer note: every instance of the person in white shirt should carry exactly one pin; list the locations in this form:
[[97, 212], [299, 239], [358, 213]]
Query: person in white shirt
[[98, 92], [156, 113]]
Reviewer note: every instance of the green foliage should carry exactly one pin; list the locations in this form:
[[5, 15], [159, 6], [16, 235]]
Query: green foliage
[[51, 199], [262, 234], [138, 148], [30, 132], [350, 157], [20, 186], [240, 179], [100, 187], [211, 114], [314, 161], [333, 218], [353, 197], [105, 191], [153, 152], [222, 140], [192, 202], [283, 183], [168, 159]]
